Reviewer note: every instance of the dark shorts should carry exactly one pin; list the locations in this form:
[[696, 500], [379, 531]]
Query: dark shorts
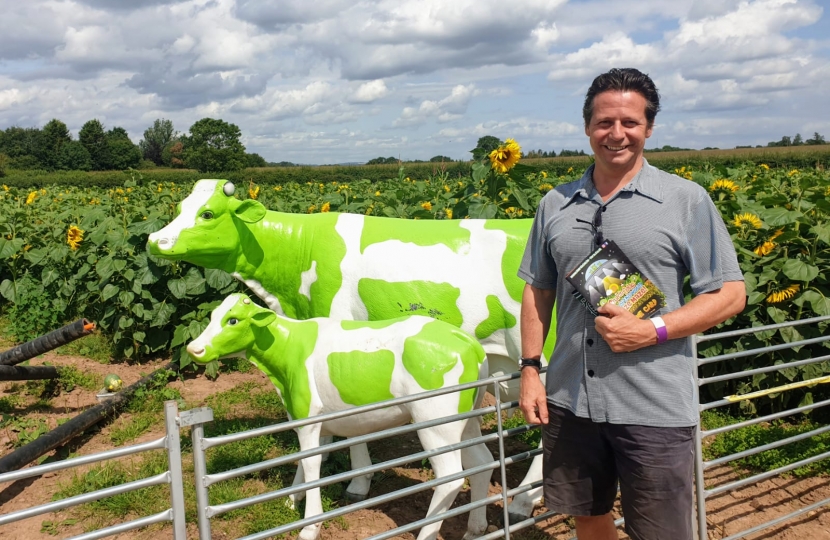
[[654, 466]]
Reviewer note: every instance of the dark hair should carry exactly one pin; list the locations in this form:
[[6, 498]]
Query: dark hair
[[623, 80]]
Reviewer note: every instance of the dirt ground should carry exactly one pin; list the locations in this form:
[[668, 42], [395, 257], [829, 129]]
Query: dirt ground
[[727, 513]]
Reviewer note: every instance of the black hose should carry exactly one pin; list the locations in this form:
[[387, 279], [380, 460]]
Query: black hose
[[28, 373], [47, 342], [52, 439]]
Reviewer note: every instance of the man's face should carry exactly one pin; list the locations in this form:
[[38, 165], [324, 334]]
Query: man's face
[[618, 130]]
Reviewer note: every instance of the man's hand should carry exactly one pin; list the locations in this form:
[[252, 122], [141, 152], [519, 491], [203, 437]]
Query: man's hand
[[623, 331], [533, 400]]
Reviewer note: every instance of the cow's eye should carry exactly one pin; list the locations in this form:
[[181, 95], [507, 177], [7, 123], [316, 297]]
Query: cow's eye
[[207, 214], [233, 321]]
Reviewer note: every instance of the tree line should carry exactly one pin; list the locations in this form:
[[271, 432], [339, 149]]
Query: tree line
[[211, 145], [798, 141]]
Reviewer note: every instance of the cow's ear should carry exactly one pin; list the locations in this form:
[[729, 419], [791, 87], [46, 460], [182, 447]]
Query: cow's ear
[[250, 211], [263, 318]]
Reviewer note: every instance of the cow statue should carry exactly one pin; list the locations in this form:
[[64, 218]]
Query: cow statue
[[323, 365], [356, 267]]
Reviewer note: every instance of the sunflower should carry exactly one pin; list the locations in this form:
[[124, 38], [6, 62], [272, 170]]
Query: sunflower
[[726, 186], [505, 157], [777, 297], [765, 248], [747, 219], [544, 174], [764, 166], [426, 205], [31, 198], [544, 188], [74, 235], [253, 192], [326, 207], [448, 213]]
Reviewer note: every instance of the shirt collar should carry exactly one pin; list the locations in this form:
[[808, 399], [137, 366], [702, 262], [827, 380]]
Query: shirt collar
[[645, 183]]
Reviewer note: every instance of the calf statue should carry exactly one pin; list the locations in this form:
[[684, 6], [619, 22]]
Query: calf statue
[[324, 365], [356, 267]]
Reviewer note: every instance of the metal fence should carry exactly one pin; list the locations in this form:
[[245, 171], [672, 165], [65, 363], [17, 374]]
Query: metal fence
[[701, 466], [204, 480], [173, 476]]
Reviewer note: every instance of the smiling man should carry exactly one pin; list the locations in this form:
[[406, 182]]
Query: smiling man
[[620, 406]]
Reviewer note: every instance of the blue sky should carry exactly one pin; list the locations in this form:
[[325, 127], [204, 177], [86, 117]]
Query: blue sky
[[335, 81]]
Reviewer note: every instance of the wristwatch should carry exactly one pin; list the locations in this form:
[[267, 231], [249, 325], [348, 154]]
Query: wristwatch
[[530, 362]]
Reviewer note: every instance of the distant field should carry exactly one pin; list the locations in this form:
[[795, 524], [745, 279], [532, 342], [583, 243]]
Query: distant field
[[793, 157]]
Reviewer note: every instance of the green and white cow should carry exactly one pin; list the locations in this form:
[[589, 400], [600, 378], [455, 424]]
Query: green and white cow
[[356, 267], [324, 365]]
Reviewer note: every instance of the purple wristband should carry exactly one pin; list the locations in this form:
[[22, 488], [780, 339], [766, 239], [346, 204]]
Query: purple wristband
[[660, 326]]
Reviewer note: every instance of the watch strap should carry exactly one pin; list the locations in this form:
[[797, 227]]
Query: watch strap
[[530, 362]]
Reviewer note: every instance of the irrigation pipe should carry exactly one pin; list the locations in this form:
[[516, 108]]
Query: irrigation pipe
[[28, 373], [63, 433], [47, 342]]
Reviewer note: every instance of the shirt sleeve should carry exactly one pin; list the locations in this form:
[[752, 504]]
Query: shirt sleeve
[[710, 258], [538, 267]]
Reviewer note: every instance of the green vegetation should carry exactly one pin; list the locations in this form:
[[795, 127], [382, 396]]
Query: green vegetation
[[756, 435]]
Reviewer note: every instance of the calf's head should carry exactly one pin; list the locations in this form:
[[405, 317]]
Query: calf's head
[[234, 327], [207, 229]]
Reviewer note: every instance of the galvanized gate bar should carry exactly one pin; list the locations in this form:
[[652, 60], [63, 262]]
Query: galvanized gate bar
[[156, 480], [174, 465], [774, 416], [778, 520], [39, 470], [765, 447], [738, 374], [702, 338], [161, 517], [762, 350], [768, 474], [211, 479]]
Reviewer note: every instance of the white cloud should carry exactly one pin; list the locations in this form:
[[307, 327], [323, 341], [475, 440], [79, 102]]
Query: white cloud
[[445, 110], [370, 91]]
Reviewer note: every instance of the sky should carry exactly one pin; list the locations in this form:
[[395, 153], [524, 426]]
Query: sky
[[340, 81]]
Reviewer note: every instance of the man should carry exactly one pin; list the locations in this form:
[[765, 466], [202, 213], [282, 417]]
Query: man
[[621, 399]]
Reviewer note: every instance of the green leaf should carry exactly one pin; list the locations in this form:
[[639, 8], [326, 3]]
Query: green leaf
[[479, 171], [48, 276], [157, 339], [10, 247], [180, 334], [126, 298], [125, 322], [119, 264], [756, 297], [178, 287], [822, 232], [8, 291], [138, 310], [217, 279], [37, 256], [109, 291], [775, 217], [521, 199], [194, 282], [195, 328], [162, 315], [105, 267], [820, 304], [806, 400], [798, 270], [483, 211], [212, 369]]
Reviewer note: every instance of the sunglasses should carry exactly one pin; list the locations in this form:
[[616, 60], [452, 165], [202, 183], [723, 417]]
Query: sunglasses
[[596, 225]]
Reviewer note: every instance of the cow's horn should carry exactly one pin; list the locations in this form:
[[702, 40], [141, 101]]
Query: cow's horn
[[229, 189]]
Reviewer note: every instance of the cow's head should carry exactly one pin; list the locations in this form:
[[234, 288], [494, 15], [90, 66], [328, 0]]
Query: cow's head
[[206, 230], [234, 327]]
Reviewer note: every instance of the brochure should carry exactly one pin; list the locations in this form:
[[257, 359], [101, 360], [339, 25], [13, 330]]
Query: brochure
[[607, 275]]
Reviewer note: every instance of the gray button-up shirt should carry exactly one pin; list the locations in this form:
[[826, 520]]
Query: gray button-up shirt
[[669, 228]]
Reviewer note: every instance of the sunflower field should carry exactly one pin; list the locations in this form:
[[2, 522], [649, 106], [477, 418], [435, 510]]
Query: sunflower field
[[70, 252]]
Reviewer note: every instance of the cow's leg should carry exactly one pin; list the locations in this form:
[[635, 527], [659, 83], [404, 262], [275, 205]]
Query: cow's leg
[[297, 497], [471, 457], [442, 465], [310, 438], [523, 504], [359, 486]]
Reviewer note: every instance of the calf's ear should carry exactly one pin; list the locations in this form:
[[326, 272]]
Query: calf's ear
[[263, 318], [250, 211]]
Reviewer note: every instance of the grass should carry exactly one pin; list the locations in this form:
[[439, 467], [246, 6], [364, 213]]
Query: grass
[[764, 433], [244, 407], [95, 346]]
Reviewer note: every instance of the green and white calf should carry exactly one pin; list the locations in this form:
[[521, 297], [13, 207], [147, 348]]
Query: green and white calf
[[324, 365], [357, 267]]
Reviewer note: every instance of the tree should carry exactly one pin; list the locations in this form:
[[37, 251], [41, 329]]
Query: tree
[[255, 160], [156, 139], [485, 145], [124, 154], [817, 139], [382, 161], [443, 159], [94, 139], [22, 145], [55, 136], [73, 156], [171, 156], [797, 141], [213, 145]]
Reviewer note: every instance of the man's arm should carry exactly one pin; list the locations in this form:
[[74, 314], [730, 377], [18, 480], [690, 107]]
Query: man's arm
[[537, 306], [624, 332]]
